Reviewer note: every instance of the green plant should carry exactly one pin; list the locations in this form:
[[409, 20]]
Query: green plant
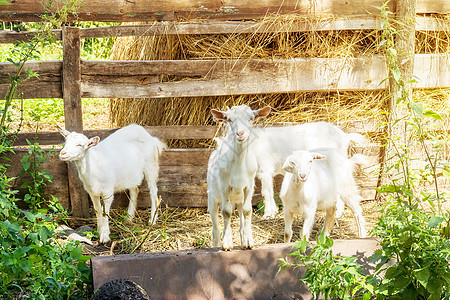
[[31, 166], [329, 275], [412, 229], [34, 263]]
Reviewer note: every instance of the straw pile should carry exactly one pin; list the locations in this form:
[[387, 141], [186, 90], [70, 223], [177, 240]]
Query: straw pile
[[186, 228], [295, 107]]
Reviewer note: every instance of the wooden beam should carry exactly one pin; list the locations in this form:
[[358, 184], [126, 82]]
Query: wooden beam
[[423, 23], [48, 85], [226, 77], [270, 76], [7, 36], [179, 132], [72, 113], [72, 79], [40, 89], [186, 132], [147, 10], [40, 67]]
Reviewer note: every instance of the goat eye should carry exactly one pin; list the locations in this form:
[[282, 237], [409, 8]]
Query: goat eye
[[79, 145]]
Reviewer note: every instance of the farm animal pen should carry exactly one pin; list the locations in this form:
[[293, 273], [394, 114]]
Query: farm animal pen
[[183, 171]]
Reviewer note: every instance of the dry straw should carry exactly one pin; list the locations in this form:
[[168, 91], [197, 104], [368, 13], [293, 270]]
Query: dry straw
[[295, 107]]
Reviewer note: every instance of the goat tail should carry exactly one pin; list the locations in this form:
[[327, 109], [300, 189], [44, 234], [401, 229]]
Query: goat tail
[[359, 159], [357, 138], [160, 147]]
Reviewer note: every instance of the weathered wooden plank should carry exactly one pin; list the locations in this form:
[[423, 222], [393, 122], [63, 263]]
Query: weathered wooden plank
[[186, 132], [146, 10], [24, 36], [50, 67], [72, 79], [423, 23], [215, 27], [182, 157], [73, 116], [227, 77], [182, 132], [182, 174], [38, 90], [47, 85], [276, 76]]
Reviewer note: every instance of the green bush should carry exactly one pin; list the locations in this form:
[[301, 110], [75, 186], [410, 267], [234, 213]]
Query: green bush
[[34, 263], [329, 275]]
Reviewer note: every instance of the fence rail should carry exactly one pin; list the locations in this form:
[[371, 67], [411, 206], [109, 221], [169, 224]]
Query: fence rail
[[423, 23], [170, 10], [197, 78]]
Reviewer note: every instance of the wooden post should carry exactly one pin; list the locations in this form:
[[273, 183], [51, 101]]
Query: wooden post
[[72, 113], [399, 132]]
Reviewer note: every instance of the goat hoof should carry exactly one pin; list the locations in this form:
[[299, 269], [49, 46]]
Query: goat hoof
[[270, 215]]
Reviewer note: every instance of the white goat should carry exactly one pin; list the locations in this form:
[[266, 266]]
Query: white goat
[[272, 145], [231, 174], [118, 163], [313, 181]]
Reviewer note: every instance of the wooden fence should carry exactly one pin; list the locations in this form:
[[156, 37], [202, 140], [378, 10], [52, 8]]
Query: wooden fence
[[183, 171]]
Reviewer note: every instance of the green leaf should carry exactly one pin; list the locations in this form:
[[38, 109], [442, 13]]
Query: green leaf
[[303, 245], [434, 287], [25, 165], [383, 41], [321, 238], [435, 221], [446, 277], [446, 173], [4, 2], [410, 293], [396, 74], [366, 296], [392, 272], [328, 243], [423, 276], [432, 114], [44, 233], [389, 188], [30, 216], [401, 282], [417, 108]]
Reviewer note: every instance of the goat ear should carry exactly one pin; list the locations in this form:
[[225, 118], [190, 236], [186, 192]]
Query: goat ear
[[219, 115], [262, 112], [288, 167], [318, 156], [62, 131], [93, 141]]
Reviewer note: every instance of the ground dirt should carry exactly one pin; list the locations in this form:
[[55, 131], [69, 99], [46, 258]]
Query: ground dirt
[[187, 228]]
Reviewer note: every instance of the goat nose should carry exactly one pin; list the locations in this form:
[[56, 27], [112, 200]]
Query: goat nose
[[239, 134], [63, 153], [303, 176]]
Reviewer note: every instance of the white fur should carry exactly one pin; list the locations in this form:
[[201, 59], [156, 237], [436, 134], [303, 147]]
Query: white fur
[[273, 145], [231, 174], [118, 163], [313, 181]]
